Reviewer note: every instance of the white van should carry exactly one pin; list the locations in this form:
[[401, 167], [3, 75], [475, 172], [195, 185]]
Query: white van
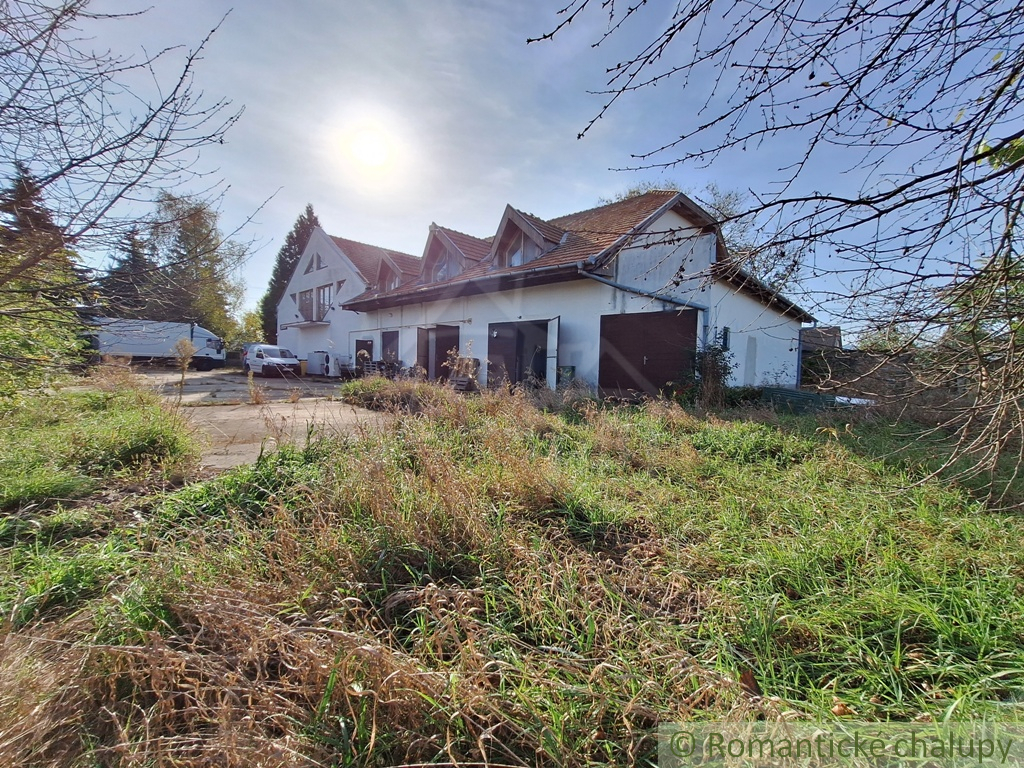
[[267, 359]]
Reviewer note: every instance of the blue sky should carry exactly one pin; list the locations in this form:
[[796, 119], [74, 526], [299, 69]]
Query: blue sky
[[469, 116]]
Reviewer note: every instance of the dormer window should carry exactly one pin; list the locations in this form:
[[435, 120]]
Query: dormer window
[[389, 281], [446, 266], [518, 250]]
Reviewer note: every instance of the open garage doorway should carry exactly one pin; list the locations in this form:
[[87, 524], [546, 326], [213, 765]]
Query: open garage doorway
[[434, 345], [523, 351]]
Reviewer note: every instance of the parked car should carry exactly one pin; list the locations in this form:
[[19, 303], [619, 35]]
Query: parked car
[[245, 352], [267, 359]]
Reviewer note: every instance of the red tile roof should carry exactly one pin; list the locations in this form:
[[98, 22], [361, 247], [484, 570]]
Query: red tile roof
[[409, 265], [548, 231], [366, 258], [581, 237], [590, 233], [473, 248]]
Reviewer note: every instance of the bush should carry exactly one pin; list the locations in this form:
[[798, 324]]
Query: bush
[[743, 397], [406, 395]]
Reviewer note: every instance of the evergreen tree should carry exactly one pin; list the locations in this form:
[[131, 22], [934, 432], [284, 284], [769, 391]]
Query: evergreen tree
[[40, 285], [287, 259], [61, 107], [33, 246], [127, 287], [197, 280], [24, 212]]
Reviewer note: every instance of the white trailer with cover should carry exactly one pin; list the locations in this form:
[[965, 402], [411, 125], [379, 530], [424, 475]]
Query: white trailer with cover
[[156, 341]]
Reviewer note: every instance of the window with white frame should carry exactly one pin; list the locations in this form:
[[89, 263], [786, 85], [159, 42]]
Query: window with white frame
[[306, 306], [323, 301]]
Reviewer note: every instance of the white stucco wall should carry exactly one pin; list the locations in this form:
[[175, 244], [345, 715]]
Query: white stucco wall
[[763, 343], [329, 338], [578, 305], [670, 248]]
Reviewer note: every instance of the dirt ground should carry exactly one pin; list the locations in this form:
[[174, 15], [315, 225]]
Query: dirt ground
[[238, 423]]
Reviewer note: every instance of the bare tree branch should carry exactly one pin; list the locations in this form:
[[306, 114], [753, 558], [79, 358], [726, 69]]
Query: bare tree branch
[[893, 128]]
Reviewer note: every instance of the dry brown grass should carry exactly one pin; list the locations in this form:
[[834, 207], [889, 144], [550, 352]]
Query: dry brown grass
[[240, 678], [477, 581], [257, 393], [112, 375], [227, 688]]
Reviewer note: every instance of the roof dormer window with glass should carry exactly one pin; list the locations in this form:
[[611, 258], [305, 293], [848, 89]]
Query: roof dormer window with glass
[[517, 250], [389, 279]]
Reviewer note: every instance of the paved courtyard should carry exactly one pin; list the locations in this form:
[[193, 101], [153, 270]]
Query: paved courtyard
[[238, 420]]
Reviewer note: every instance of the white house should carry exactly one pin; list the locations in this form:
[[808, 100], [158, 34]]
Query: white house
[[332, 270], [620, 296]]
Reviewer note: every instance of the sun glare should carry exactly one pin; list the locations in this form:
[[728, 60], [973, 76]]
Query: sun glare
[[371, 148]]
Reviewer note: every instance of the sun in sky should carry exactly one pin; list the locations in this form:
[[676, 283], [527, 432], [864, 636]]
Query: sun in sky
[[370, 148]]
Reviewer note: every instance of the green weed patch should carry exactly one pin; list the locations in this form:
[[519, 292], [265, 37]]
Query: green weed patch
[[62, 445]]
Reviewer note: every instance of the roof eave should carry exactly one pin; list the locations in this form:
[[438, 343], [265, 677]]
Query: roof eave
[[772, 299], [472, 287]]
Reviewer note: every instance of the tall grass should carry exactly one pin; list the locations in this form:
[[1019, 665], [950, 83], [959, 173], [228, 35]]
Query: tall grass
[[62, 445], [483, 581]]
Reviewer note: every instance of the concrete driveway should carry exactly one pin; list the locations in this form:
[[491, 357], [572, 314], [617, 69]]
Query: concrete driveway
[[229, 385], [239, 418]]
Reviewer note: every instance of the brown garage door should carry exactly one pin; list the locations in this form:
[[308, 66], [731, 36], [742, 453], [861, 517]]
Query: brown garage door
[[646, 350]]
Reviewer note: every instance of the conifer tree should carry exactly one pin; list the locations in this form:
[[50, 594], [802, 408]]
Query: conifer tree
[[127, 287], [32, 243], [197, 279], [39, 287], [287, 258]]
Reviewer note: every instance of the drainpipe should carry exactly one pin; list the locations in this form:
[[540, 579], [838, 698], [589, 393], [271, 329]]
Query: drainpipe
[[705, 324], [799, 357]]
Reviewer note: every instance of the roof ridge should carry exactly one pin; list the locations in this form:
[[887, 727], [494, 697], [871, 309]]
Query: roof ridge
[[671, 192], [371, 245], [459, 232]]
